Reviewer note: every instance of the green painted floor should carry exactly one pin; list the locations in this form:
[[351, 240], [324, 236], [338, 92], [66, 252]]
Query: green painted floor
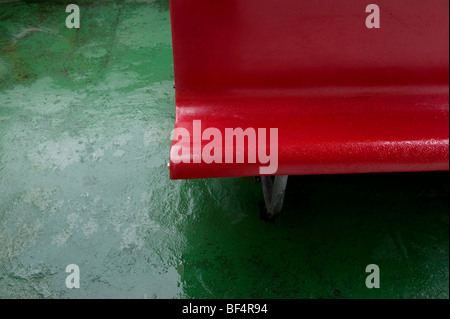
[[85, 122]]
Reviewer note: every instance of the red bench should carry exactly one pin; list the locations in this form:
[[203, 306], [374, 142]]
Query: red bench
[[345, 98]]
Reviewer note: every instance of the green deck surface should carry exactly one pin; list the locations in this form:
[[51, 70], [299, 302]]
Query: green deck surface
[[85, 123]]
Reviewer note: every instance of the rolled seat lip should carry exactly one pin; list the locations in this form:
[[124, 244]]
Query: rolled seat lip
[[399, 133]]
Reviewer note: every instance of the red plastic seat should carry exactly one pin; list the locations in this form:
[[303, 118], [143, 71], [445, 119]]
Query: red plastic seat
[[345, 98]]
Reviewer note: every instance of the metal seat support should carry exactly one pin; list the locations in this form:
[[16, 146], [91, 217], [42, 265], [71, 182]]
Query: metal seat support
[[274, 193]]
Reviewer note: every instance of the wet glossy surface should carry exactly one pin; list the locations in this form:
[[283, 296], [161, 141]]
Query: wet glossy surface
[[85, 122]]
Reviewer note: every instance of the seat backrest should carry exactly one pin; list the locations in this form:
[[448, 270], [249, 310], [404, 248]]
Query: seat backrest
[[278, 44]]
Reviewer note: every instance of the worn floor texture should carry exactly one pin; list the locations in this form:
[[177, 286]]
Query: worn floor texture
[[85, 122]]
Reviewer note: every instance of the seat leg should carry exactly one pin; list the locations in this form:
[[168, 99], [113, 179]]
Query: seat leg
[[274, 193]]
